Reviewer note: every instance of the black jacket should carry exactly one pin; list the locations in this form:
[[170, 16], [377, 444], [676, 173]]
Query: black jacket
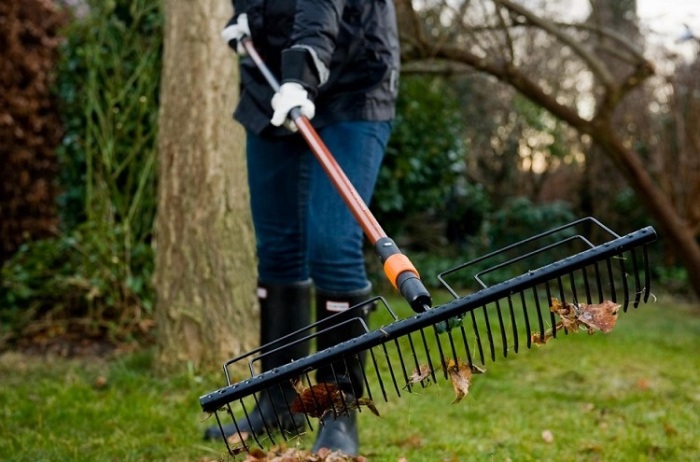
[[356, 40]]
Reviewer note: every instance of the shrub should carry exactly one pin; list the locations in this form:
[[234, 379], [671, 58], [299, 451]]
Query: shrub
[[30, 127], [95, 276]]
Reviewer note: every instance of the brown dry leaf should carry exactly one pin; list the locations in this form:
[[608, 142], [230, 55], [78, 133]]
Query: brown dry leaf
[[237, 439], [317, 400], [322, 398], [461, 377], [420, 375], [256, 454], [567, 313], [602, 316], [547, 436], [537, 339], [593, 317], [476, 369], [369, 403], [297, 385]]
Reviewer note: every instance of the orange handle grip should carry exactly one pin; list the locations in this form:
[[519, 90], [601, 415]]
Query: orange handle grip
[[396, 265]]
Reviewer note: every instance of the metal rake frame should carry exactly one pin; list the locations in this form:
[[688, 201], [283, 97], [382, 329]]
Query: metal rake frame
[[496, 319]]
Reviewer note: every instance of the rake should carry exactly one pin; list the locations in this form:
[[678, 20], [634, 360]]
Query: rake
[[503, 302]]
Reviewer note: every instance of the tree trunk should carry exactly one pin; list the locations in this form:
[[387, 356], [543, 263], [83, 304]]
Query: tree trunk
[[205, 255]]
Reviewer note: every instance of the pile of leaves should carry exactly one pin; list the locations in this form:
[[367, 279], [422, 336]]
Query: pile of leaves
[[283, 454]]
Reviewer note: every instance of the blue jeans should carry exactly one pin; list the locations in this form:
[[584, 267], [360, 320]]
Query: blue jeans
[[303, 228]]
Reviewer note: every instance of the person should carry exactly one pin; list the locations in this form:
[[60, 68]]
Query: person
[[338, 61]]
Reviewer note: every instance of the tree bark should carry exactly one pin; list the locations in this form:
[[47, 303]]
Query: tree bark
[[205, 254]]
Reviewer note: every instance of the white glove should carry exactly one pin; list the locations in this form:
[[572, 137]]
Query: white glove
[[289, 96], [234, 34]]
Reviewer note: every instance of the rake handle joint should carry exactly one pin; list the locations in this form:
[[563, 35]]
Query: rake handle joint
[[403, 275]]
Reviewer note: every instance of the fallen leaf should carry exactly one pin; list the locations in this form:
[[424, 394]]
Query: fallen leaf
[[369, 404], [236, 441], [594, 317], [322, 398], [643, 384], [476, 369], [461, 377], [542, 339], [602, 316], [100, 381], [420, 375], [548, 436], [318, 399]]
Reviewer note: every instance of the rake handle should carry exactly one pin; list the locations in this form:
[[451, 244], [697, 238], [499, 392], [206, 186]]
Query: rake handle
[[397, 267]]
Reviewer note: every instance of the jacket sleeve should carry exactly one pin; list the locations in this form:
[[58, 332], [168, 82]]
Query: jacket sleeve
[[316, 28], [253, 9]]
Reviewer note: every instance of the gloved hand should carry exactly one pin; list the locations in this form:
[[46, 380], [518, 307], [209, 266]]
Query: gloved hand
[[289, 96], [234, 33]]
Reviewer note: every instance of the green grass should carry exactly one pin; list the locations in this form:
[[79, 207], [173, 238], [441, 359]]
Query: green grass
[[633, 394]]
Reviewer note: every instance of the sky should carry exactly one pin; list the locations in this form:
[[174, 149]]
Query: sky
[[665, 19]]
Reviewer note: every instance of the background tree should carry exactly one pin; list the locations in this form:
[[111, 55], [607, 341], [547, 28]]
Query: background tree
[[205, 262], [491, 36]]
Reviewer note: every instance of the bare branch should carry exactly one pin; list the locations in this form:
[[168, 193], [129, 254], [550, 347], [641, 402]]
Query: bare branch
[[597, 67]]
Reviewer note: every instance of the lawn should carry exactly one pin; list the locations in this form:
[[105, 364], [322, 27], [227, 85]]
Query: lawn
[[633, 394]]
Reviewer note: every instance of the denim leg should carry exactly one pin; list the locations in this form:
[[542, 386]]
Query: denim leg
[[335, 238], [278, 177]]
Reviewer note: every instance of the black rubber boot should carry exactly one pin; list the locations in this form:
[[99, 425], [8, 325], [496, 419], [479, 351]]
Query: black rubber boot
[[284, 308], [338, 431]]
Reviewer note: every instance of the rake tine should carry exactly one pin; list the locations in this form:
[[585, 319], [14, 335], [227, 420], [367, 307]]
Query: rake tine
[[504, 335], [611, 278], [382, 387], [238, 430], [415, 360], [552, 317], [452, 346], [527, 319], [586, 286], [364, 375], [306, 415], [439, 345], [275, 411], [625, 284], [637, 281], [403, 366], [470, 361], [492, 348], [647, 273], [538, 310], [562, 295], [563, 298], [572, 284], [247, 417], [376, 370], [477, 336], [413, 351], [598, 281], [391, 371], [514, 326], [427, 354]]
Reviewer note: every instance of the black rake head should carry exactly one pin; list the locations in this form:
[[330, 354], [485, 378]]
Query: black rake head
[[562, 281]]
